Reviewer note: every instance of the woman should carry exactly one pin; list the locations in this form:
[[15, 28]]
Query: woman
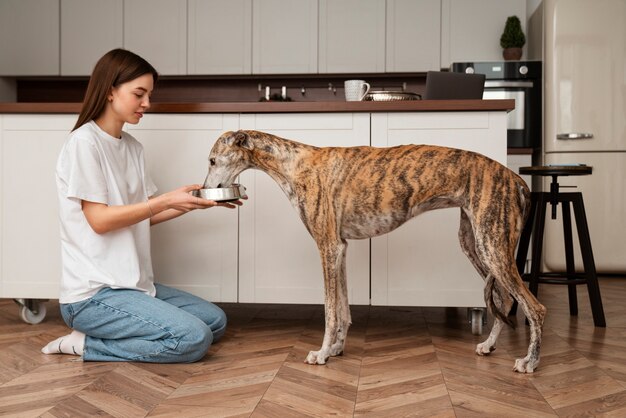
[[108, 296]]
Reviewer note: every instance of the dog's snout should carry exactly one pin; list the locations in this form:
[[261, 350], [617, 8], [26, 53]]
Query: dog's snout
[[219, 185]]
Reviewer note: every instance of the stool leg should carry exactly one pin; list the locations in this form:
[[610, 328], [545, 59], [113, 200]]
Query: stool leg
[[569, 257], [590, 268], [540, 222]]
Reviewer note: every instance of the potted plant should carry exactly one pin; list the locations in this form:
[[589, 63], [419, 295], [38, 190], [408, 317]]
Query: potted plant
[[512, 39]]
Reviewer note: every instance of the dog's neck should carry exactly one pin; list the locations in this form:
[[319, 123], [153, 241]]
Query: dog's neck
[[279, 158]]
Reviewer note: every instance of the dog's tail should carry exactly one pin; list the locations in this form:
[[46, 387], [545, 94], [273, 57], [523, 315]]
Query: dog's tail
[[490, 288], [523, 195]]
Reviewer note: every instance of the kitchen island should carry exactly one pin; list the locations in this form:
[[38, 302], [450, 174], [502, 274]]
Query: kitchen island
[[261, 252]]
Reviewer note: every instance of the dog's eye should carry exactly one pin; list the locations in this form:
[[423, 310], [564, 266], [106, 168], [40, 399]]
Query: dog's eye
[[212, 161]]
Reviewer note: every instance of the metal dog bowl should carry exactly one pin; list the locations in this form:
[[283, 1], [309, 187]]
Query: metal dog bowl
[[222, 194], [390, 96]]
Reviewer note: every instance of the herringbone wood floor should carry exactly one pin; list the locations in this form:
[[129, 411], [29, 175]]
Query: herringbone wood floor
[[398, 362]]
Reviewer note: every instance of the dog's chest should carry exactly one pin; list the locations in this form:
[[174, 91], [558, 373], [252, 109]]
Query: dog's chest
[[369, 225]]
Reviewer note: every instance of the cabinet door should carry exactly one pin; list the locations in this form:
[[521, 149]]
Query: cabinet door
[[196, 252], [89, 29], [352, 36], [31, 242], [413, 35], [220, 37], [421, 263], [29, 37], [604, 197], [284, 36], [279, 261], [471, 29], [157, 30]]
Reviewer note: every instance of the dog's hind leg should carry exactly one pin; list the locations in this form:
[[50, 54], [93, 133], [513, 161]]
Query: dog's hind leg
[[333, 260], [509, 281], [468, 245], [503, 302]]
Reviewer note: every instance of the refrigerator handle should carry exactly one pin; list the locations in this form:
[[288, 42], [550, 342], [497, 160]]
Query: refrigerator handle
[[574, 135]]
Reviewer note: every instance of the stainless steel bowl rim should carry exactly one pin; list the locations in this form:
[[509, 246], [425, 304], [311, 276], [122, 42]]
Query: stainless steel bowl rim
[[390, 95], [232, 192]]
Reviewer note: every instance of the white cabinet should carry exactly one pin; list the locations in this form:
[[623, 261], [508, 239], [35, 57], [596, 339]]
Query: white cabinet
[[352, 36], [260, 252], [515, 161], [196, 252], [201, 37], [284, 36], [29, 37], [30, 265], [89, 29], [421, 263], [413, 35], [220, 37], [157, 30], [279, 261], [604, 198], [471, 29]]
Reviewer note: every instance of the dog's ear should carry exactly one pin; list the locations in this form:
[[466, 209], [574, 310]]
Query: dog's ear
[[240, 139]]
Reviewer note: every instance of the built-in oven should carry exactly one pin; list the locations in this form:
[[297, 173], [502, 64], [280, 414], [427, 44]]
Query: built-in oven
[[517, 80]]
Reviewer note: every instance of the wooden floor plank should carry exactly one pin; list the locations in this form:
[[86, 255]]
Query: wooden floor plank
[[399, 361]]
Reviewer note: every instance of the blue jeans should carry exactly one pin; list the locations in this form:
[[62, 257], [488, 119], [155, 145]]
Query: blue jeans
[[128, 325]]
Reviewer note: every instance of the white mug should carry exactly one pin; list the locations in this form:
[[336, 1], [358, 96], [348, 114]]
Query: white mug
[[356, 90]]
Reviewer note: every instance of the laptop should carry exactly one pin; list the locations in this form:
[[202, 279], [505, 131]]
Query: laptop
[[448, 86]]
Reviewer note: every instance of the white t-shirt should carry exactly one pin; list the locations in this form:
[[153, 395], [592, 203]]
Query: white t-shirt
[[97, 167]]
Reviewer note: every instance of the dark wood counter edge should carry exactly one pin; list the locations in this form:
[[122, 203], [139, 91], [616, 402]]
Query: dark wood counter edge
[[285, 107]]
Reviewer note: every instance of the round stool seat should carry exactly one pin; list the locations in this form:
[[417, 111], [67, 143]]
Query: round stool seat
[[556, 170]]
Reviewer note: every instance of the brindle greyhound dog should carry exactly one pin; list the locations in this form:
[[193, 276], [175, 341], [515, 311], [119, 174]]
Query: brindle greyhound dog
[[362, 192]]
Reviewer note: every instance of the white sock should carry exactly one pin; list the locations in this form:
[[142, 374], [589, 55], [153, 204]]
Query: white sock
[[73, 343]]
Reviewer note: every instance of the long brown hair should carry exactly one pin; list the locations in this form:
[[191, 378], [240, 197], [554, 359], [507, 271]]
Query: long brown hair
[[116, 67]]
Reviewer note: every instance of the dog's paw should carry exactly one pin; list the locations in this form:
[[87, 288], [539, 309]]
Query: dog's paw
[[484, 349], [524, 365], [336, 349], [316, 357]]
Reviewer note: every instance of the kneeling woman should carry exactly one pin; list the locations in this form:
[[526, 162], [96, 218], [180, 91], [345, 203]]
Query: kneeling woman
[[108, 296]]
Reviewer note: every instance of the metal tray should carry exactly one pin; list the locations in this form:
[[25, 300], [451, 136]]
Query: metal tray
[[390, 96], [222, 194]]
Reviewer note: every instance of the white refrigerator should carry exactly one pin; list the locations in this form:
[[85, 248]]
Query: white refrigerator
[[584, 54]]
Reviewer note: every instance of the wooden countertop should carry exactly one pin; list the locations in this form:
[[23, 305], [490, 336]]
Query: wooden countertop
[[284, 107]]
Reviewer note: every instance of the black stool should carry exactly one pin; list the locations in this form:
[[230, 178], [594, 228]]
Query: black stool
[[535, 225]]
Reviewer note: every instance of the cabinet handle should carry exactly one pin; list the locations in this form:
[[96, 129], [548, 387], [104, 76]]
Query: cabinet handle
[[574, 135]]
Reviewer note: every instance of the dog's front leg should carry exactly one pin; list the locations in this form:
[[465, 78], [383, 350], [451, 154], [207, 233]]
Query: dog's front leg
[[343, 306], [333, 255]]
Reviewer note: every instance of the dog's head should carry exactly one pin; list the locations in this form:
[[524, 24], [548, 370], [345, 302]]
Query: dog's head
[[230, 155]]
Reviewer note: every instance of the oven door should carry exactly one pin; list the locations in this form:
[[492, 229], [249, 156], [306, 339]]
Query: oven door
[[517, 119]]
